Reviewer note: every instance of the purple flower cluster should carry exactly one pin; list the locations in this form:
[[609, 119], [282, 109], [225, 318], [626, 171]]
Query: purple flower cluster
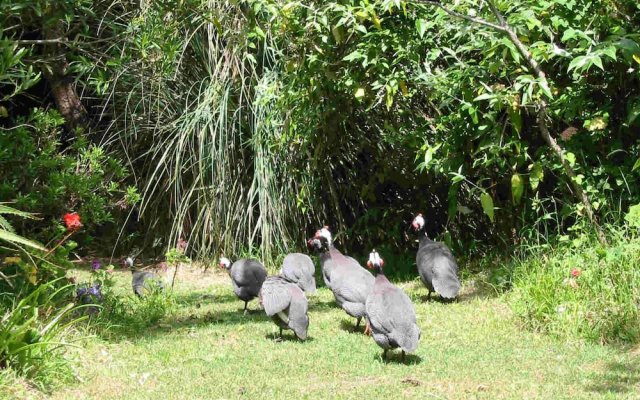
[[89, 295], [95, 264]]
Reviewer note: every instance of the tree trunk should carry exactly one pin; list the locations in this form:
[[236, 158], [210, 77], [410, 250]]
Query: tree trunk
[[62, 88]]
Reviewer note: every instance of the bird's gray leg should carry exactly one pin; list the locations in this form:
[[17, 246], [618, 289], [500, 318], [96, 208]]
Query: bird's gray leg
[[358, 322], [429, 295], [245, 308], [384, 354], [402, 355], [281, 332]]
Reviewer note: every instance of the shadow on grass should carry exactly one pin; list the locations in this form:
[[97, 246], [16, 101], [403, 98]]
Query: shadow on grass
[[349, 325], [479, 291], [195, 299], [322, 306], [617, 377], [395, 357], [287, 336], [134, 329]]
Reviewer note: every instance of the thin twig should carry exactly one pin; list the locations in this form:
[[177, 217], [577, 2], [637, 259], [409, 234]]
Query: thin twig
[[42, 41], [469, 18]]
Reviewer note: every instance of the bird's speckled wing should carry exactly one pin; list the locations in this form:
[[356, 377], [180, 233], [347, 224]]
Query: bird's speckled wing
[[275, 295]]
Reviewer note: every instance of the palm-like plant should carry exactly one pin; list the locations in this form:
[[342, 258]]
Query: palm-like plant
[[8, 234]]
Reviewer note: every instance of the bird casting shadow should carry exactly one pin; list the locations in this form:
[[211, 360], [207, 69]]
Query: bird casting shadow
[[287, 336], [395, 357], [349, 325], [322, 306], [436, 298], [198, 299], [215, 317]]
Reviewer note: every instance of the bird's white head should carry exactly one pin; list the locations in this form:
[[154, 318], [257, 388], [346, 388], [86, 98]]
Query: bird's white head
[[324, 233], [128, 262], [418, 222], [375, 261], [224, 262]]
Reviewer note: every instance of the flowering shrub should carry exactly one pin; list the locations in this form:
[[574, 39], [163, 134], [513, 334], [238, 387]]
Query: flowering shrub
[[47, 177]]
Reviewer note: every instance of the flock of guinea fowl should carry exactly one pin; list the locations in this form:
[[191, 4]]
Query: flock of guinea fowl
[[389, 313]]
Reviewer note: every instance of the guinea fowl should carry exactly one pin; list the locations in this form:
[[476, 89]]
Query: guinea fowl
[[142, 281], [286, 304], [327, 265], [390, 313], [436, 265], [298, 268], [349, 282], [247, 276]]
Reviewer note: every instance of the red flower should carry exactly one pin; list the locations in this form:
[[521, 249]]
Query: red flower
[[575, 272], [72, 221]]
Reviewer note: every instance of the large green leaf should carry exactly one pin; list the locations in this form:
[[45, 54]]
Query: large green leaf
[[517, 188], [487, 205], [16, 239], [536, 176], [4, 209]]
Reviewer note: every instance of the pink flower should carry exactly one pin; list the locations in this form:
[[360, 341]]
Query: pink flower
[[575, 272], [72, 221], [182, 245]]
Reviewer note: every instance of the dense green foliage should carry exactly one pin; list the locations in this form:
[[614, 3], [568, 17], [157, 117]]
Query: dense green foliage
[[241, 124], [241, 127]]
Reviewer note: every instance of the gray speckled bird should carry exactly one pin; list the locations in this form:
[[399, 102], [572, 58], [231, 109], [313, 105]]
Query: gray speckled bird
[[390, 313], [286, 304], [143, 282], [349, 282], [321, 247], [247, 276], [436, 265], [298, 268]]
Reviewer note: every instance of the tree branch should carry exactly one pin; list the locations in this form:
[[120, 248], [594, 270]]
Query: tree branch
[[504, 27], [42, 41], [478, 21]]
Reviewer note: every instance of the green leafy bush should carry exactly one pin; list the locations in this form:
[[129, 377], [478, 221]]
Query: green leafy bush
[[584, 291], [48, 172]]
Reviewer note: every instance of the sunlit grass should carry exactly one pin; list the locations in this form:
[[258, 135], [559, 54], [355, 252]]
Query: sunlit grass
[[470, 349]]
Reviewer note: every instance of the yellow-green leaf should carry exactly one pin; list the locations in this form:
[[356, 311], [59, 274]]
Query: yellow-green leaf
[[389, 99], [517, 188], [376, 22], [596, 124], [337, 33], [637, 58], [403, 88], [359, 93], [536, 176], [487, 204]]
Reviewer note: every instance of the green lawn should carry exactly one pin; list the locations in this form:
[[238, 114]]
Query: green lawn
[[473, 349]]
